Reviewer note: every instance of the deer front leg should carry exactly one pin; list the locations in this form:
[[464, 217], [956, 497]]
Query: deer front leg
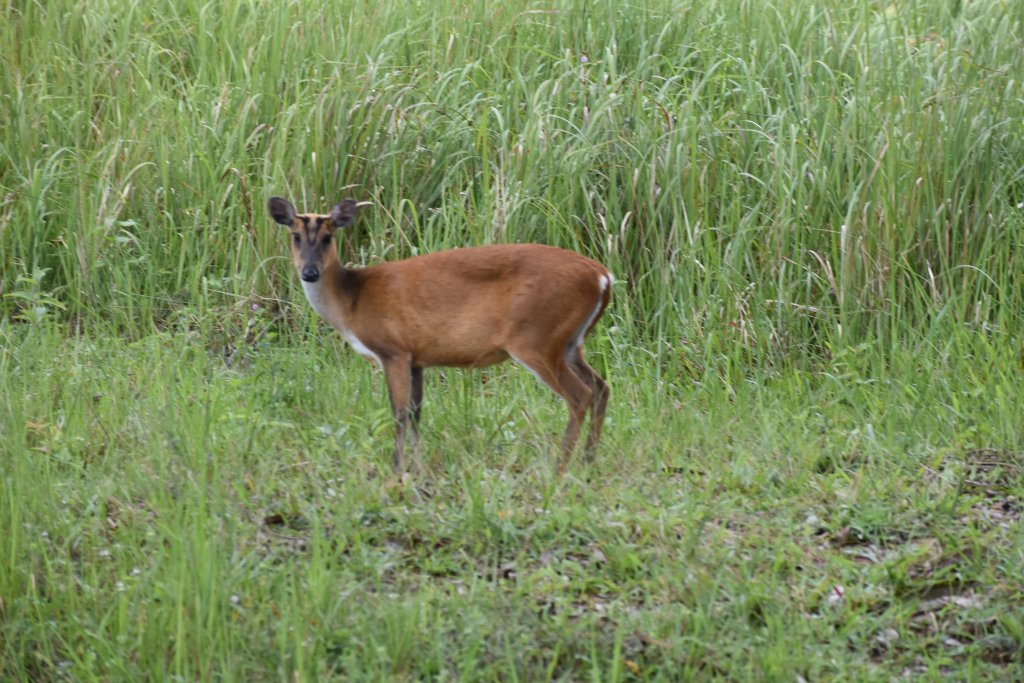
[[399, 374], [416, 408]]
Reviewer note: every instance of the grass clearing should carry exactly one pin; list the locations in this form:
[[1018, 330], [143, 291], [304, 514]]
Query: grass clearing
[[179, 516], [812, 465]]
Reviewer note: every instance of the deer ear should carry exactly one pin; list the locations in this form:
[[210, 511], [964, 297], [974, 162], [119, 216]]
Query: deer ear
[[343, 213], [281, 211]]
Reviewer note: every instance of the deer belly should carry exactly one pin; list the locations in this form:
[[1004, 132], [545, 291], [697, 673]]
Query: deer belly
[[460, 358]]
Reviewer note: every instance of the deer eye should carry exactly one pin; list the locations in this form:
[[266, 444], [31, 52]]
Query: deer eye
[[296, 238], [327, 240]]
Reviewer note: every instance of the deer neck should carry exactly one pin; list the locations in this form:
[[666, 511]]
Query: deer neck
[[333, 297]]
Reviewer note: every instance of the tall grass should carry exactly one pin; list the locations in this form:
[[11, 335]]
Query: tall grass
[[812, 462], [838, 174]]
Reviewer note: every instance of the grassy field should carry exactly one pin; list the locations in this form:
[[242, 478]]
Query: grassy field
[[813, 464]]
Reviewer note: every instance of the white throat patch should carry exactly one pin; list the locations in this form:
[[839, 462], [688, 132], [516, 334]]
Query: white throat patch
[[315, 295]]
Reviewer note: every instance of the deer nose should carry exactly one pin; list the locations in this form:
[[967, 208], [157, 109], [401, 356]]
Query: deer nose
[[310, 274]]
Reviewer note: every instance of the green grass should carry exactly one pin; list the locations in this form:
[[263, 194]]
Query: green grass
[[812, 465]]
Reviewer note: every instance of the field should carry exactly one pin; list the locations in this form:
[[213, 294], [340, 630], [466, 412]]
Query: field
[[813, 464]]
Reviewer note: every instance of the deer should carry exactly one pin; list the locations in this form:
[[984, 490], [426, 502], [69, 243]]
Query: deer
[[468, 307]]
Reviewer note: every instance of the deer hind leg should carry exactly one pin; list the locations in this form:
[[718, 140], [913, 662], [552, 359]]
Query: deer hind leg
[[563, 380], [598, 399], [398, 372], [593, 381]]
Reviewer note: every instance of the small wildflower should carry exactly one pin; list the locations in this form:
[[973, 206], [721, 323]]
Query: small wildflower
[[235, 599], [583, 59]]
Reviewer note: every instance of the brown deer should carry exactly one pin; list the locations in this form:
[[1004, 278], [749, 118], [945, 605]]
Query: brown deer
[[469, 307]]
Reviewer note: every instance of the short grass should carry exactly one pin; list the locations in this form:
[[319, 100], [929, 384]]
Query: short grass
[[812, 467], [166, 514]]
